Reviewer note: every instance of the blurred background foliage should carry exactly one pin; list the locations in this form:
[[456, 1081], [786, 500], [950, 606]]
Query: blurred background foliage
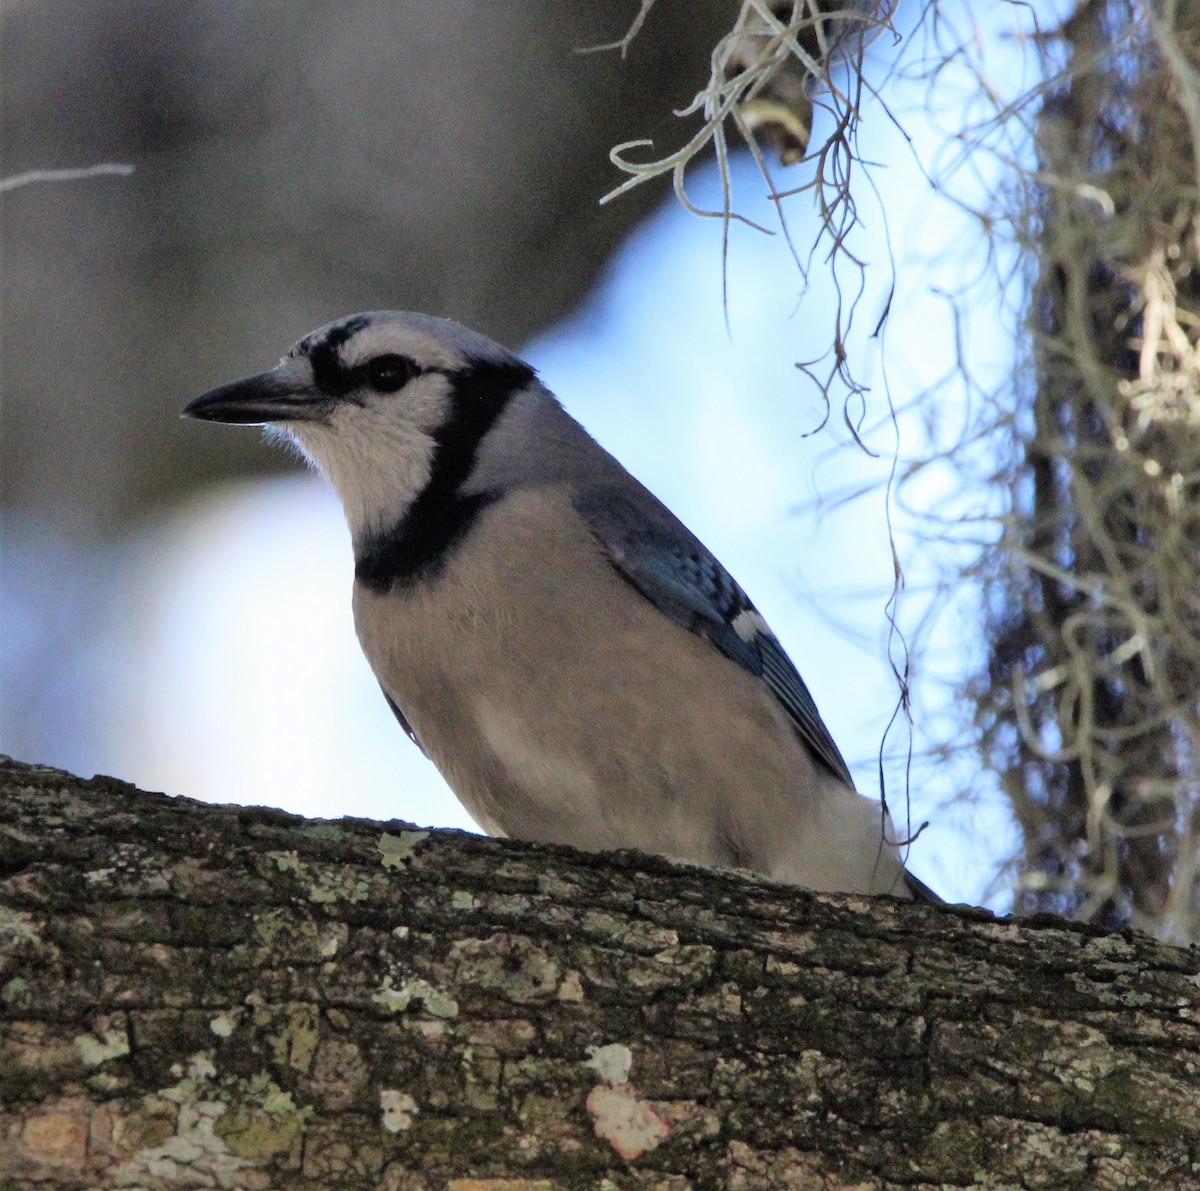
[[293, 160]]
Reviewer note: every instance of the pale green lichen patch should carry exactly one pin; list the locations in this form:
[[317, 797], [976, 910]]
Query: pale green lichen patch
[[101, 1046], [16, 992], [324, 831], [223, 1128], [279, 935], [571, 988], [223, 1024], [225, 1121], [397, 1000], [397, 850], [295, 1041], [326, 884], [262, 1120], [200, 1068], [336, 885], [286, 862], [398, 1109], [612, 1062], [1136, 1000], [192, 1156]]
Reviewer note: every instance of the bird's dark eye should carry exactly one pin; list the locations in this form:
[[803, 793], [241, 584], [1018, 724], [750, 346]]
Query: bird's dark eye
[[386, 374]]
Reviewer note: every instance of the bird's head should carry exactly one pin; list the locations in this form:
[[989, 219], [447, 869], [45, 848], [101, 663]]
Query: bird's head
[[376, 402]]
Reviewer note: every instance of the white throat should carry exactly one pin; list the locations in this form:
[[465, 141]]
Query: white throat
[[378, 456]]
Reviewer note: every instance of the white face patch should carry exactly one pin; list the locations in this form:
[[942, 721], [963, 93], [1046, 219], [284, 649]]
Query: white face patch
[[387, 338], [749, 624], [378, 455], [378, 448]]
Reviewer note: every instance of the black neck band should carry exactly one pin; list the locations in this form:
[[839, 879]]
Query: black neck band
[[416, 546]]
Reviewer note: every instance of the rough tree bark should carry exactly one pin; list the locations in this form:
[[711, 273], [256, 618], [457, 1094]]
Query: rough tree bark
[[202, 996]]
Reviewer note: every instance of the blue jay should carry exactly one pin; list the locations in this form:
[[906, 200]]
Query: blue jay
[[575, 662]]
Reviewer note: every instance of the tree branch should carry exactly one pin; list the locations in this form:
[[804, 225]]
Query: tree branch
[[207, 996]]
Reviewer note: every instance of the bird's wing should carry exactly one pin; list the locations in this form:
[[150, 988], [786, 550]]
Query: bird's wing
[[921, 892], [403, 721], [664, 561]]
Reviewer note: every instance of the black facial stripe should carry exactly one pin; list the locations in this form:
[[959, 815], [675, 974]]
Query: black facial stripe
[[336, 380], [329, 373], [417, 545]]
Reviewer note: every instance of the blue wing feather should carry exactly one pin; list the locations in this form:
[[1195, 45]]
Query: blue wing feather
[[669, 565]]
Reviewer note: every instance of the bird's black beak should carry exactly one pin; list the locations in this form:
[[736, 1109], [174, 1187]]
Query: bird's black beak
[[259, 400]]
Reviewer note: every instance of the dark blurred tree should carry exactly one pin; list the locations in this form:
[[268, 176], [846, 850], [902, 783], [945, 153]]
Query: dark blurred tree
[[1090, 707], [294, 161]]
